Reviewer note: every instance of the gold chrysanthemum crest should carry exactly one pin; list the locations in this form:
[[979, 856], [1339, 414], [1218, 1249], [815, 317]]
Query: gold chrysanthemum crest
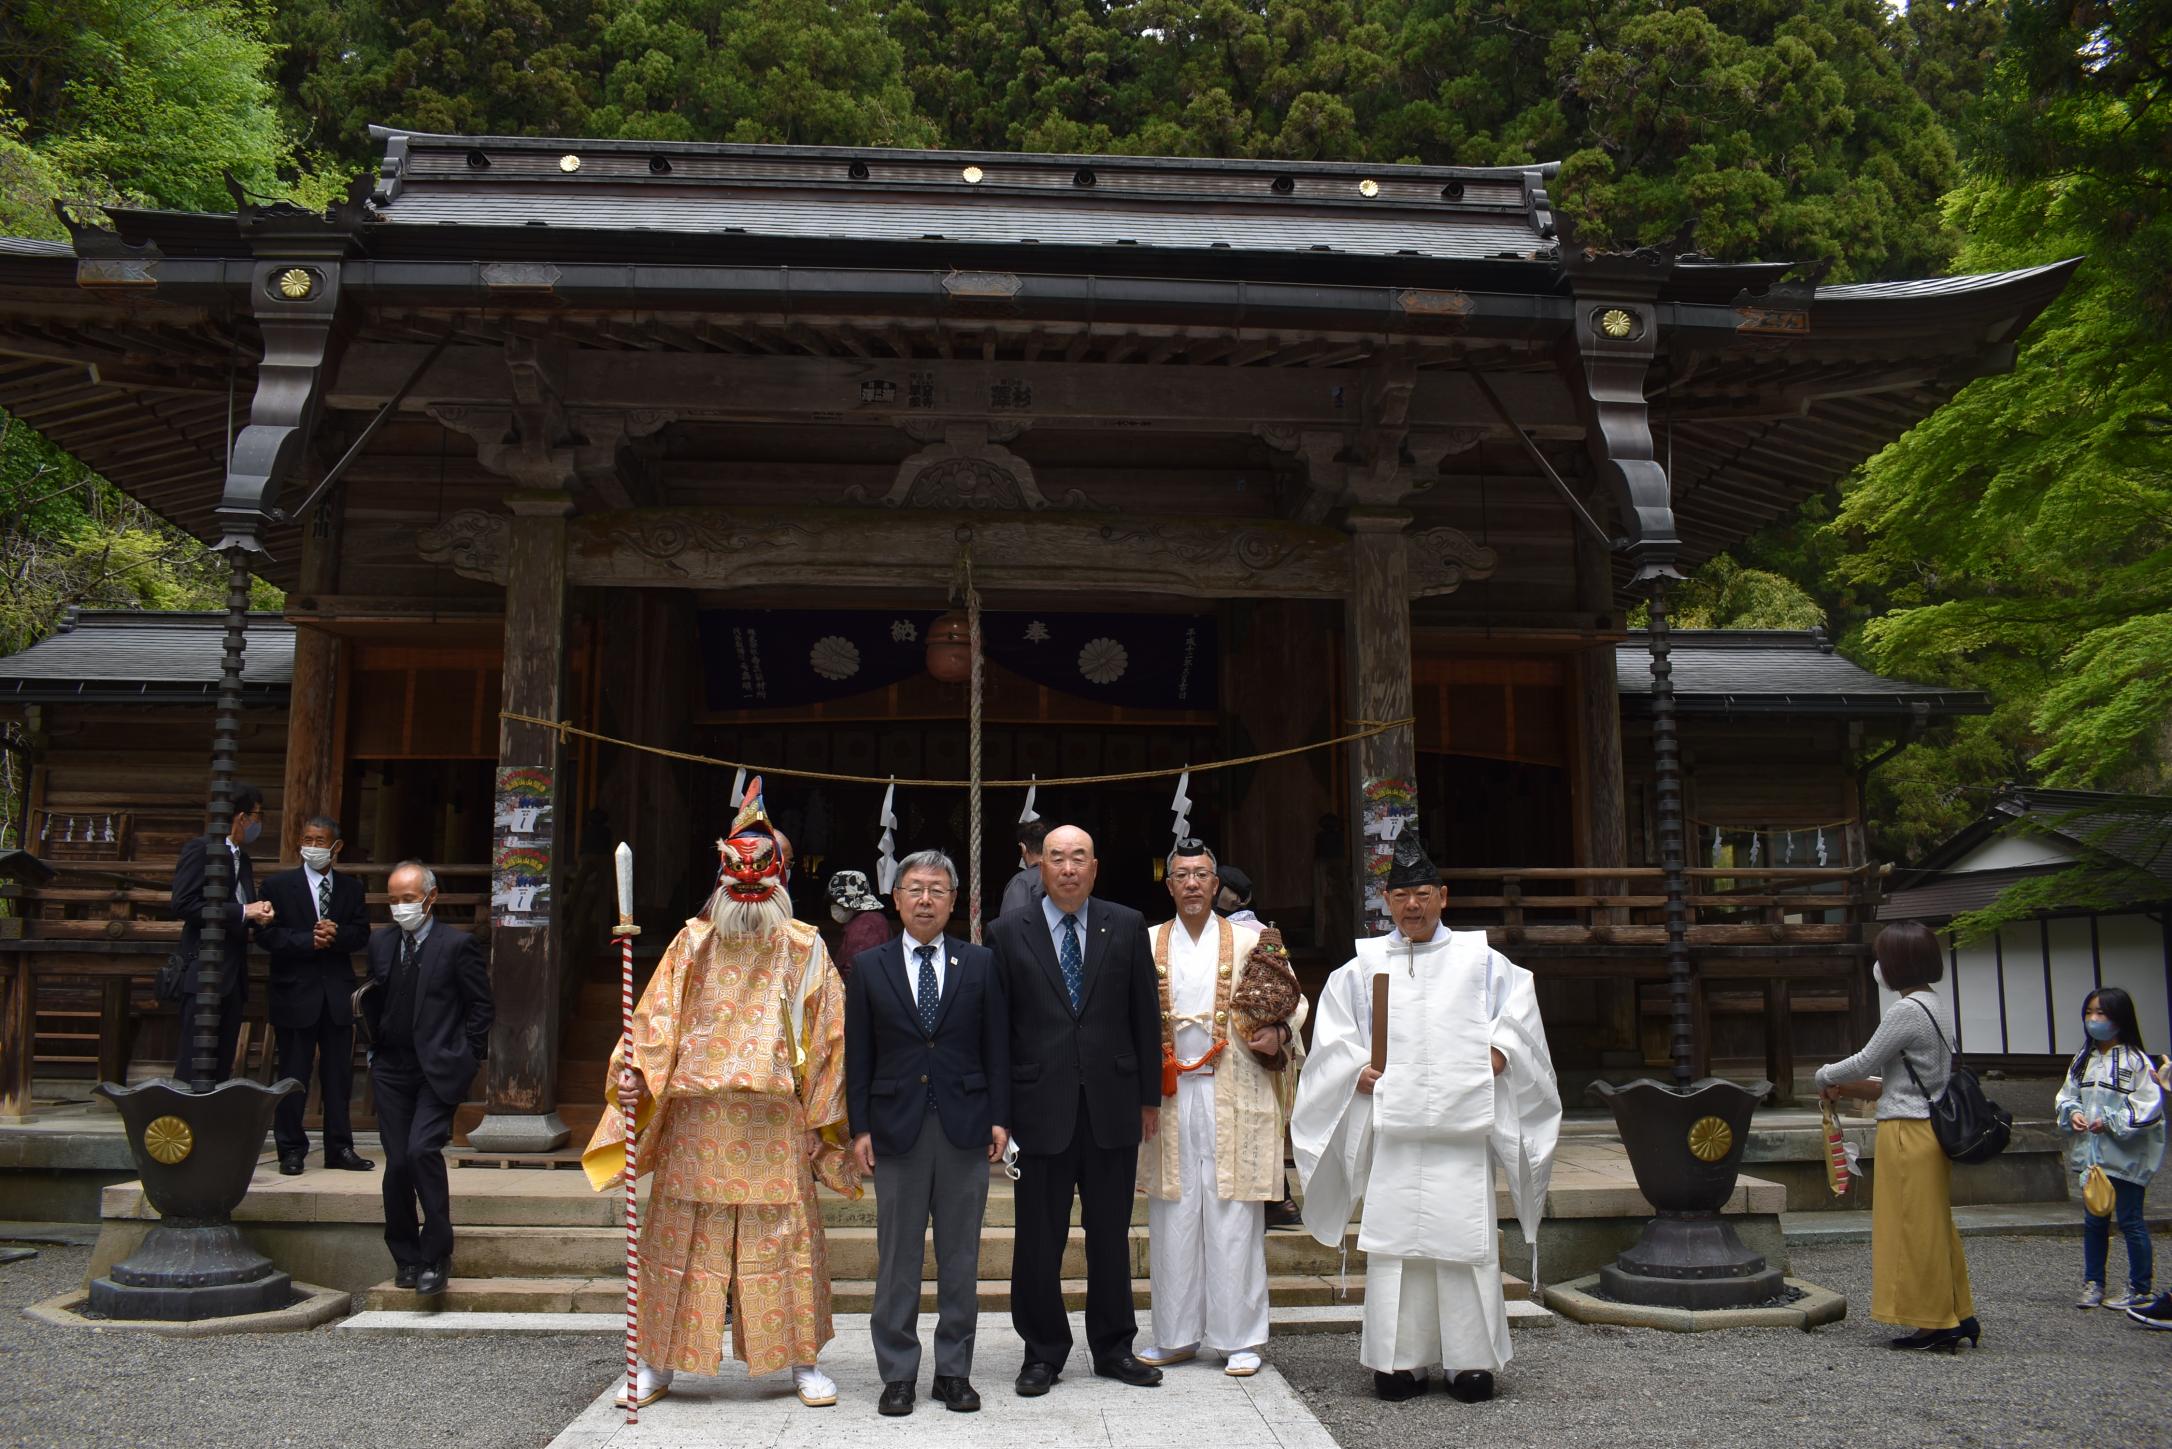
[[168, 1140], [1709, 1139]]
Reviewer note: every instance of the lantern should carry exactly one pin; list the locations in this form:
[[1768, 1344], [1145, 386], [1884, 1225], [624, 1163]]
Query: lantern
[[950, 649]]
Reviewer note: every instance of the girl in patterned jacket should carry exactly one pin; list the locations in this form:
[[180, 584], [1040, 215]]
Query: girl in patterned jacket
[[2111, 1110]]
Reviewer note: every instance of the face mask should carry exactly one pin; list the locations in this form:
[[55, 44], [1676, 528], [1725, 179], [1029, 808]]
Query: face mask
[[409, 915], [2101, 1029], [317, 857], [1877, 974], [251, 831]]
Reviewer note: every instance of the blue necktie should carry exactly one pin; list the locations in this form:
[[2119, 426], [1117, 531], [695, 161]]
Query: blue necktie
[[1074, 964], [930, 1000], [930, 997]]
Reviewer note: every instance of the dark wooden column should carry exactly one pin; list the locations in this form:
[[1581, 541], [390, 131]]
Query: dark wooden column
[[1378, 625], [527, 963], [313, 781], [1602, 822]]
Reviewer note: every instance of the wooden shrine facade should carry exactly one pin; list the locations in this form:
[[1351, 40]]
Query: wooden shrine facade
[[541, 403]]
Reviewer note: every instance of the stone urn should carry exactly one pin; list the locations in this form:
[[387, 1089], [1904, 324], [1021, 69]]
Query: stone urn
[[1685, 1146], [196, 1152]]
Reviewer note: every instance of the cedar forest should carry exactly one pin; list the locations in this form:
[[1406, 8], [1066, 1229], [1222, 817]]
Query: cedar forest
[[2019, 542]]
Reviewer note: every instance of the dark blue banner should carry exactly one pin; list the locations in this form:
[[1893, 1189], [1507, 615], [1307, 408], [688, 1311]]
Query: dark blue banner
[[786, 658]]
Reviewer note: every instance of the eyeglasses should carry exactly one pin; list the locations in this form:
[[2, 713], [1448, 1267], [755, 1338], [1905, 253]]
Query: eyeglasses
[[923, 892], [1191, 875]]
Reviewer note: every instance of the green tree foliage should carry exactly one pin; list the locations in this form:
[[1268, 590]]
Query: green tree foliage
[[2021, 540], [1722, 594]]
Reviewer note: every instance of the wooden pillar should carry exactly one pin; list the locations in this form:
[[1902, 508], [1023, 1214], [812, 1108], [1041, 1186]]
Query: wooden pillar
[[527, 962], [313, 771], [1602, 816], [17, 998], [1378, 625]]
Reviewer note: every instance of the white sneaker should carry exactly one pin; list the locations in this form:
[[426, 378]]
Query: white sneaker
[[1242, 1364], [649, 1384], [816, 1388], [1158, 1357], [2131, 1300], [2092, 1296]]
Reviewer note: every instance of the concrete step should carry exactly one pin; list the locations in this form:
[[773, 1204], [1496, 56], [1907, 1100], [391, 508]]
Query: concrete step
[[500, 1251], [847, 1295]]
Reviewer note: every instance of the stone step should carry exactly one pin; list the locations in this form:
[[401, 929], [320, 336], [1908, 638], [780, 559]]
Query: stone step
[[498, 1251], [847, 1295]]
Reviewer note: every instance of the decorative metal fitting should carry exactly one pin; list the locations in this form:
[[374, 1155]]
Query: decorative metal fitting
[[972, 175], [295, 284], [1368, 188], [569, 163], [1709, 1138], [1619, 323], [168, 1140]]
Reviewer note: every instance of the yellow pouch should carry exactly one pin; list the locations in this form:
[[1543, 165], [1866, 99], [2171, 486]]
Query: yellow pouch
[[2096, 1186]]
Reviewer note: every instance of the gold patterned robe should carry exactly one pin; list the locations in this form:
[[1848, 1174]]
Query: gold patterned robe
[[1250, 1102], [741, 1042]]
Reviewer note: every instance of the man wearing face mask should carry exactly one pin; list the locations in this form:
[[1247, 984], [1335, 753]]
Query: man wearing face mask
[[318, 923], [428, 1008], [244, 915]]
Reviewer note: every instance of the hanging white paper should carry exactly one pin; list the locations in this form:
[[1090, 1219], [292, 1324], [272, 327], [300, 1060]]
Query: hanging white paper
[[739, 788], [1821, 845], [1181, 803], [886, 858], [1029, 813]]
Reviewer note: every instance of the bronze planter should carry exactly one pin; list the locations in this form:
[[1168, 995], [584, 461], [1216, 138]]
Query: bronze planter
[[196, 1152], [1685, 1145]]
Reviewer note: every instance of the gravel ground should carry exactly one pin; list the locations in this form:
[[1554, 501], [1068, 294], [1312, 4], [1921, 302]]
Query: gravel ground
[[2043, 1377], [2047, 1374], [67, 1387]]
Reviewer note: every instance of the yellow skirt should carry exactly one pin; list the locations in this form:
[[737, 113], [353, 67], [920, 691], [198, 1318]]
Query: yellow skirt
[[1918, 1274]]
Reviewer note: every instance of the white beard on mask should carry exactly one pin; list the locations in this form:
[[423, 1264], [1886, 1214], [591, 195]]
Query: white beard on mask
[[750, 918]]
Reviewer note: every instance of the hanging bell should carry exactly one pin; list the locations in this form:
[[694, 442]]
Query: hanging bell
[[950, 648]]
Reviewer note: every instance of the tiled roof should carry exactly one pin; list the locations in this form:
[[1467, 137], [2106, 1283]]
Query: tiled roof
[[109, 654], [1778, 671]]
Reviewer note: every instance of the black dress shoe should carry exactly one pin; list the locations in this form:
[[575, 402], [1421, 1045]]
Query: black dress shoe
[[1472, 1386], [1035, 1379], [430, 1281], [1284, 1214], [955, 1394], [1128, 1370], [349, 1160], [291, 1164], [405, 1278], [896, 1400], [1398, 1387]]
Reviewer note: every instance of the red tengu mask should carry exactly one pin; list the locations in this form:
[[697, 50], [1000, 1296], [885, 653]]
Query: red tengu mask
[[748, 867]]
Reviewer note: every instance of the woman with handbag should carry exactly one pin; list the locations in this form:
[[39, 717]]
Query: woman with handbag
[[2110, 1109], [1918, 1273]]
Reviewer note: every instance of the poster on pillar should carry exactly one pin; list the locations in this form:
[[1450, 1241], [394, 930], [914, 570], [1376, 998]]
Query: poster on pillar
[[1391, 807], [520, 856]]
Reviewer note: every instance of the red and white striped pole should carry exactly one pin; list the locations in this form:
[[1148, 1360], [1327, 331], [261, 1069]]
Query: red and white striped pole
[[629, 1102]]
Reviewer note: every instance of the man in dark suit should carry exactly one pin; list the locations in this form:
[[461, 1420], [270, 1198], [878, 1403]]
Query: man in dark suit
[[428, 1008], [1078, 978], [927, 1090], [318, 922], [244, 914]]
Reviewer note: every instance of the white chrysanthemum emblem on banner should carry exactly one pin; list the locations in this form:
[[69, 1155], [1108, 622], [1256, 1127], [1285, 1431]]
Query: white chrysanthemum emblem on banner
[[1103, 661], [834, 657]]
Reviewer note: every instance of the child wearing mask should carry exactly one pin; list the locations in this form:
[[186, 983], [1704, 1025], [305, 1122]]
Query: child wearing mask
[[2110, 1109]]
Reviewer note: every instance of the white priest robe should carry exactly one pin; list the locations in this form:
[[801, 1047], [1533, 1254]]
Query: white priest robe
[[1422, 1149]]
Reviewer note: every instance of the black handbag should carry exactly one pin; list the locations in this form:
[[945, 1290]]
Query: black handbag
[[171, 974], [1970, 1126]]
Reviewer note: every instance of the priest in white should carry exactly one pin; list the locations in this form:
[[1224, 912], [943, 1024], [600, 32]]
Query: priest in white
[[1468, 1091], [1208, 1181]]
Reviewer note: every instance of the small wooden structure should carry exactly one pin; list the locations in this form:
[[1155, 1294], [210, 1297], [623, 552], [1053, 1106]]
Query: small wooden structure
[[541, 425]]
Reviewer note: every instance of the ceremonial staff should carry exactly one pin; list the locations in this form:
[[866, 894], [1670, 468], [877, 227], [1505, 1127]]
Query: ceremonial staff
[[629, 1101]]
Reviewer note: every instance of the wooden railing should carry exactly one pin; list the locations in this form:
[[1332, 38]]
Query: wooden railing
[[1581, 908], [80, 955]]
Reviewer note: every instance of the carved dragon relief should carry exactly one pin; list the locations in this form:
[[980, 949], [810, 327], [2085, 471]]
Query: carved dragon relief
[[475, 543], [965, 467], [1443, 558]]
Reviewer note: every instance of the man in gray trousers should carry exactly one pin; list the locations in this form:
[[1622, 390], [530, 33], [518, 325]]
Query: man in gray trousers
[[928, 1091]]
